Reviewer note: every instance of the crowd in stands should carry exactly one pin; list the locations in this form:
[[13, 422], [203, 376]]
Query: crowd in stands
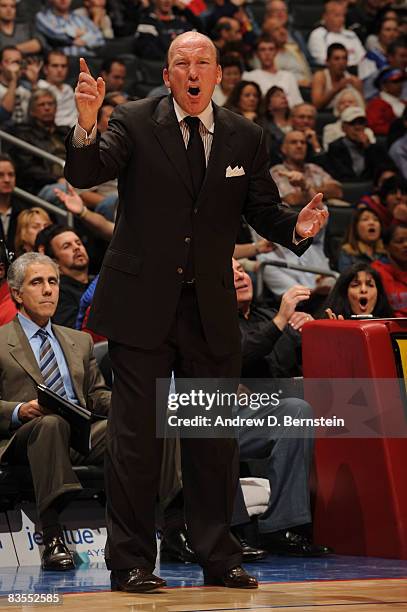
[[331, 99]]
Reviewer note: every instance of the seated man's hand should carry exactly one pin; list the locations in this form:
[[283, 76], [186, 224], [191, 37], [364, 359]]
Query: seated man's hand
[[298, 319], [30, 410], [289, 301]]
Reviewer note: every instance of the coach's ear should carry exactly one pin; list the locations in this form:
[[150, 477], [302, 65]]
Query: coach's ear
[[166, 78]]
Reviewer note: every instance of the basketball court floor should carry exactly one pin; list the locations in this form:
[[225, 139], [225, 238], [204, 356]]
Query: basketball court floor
[[333, 584]]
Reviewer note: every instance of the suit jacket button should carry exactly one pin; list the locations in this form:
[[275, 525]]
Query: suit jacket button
[[180, 270], [195, 210], [187, 239]]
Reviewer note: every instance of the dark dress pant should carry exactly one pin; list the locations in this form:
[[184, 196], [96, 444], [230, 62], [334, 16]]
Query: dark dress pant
[[44, 444], [210, 467]]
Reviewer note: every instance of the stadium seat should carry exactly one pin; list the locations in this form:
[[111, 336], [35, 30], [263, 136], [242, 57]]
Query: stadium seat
[[353, 191]]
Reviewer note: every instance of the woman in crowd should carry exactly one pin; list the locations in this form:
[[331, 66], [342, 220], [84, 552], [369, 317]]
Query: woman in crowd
[[377, 44], [393, 272], [276, 121], [389, 202], [29, 223], [358, 291], [245, 100], [363, 240], [345, 99]]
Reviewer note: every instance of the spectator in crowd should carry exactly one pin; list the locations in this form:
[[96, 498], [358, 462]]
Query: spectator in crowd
[[280, 279], [363, 240], [231, 75], [245, 100], [277, 9], [125, 15], [35, 173], [333, 131], [393, 272], [396, 58], [285, 527], [14, 98], [358, 291], [67, 31], [329, 82], [102, 198], [276, 121], [239, 11], [226, 31], [158, 28], [363, 16], [114, 72], [377, 45], [95, 11], [388, 201], [398, 144], [55, 69], [42, 353], [10, 206], [268, 75], [29, 223], [298, 181], [64, 246], [8, 309], [333, 30], [23, 36], [353, 157], [303, 118], [289, 55], [382, 111]]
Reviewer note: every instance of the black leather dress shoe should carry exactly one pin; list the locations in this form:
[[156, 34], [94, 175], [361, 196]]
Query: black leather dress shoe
[[57, 556], [235, 578], [292, 544], [249, 553], [136, 580], [175, 547]]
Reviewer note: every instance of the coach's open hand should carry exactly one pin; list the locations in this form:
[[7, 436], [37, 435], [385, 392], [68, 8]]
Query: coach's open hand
[[311, 218], [89, 96]]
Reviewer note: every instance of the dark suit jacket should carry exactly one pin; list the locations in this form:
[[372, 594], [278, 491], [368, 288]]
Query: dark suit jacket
[[19, 373], [16, 207], [141, 278], [338, 161]]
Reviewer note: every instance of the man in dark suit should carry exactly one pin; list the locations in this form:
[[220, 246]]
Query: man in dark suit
[[353, 157], [187, 170], [32, 351]]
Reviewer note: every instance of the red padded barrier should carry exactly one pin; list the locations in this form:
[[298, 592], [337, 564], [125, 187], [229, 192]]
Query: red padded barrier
[[360, 484]]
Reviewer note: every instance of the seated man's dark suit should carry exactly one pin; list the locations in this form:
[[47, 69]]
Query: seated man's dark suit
[[155, 328], [338, 161], [43, 442]]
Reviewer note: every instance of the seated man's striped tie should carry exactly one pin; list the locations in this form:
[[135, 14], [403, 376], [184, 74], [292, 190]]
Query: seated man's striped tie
[[49, 365]]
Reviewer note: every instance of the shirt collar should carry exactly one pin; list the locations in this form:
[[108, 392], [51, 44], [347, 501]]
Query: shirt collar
[[207, 116], [30, 328]]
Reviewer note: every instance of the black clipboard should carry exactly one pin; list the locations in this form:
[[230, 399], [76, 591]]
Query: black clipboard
[[79, 418]]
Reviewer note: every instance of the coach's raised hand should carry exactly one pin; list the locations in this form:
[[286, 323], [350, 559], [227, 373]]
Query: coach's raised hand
[[89, 96]]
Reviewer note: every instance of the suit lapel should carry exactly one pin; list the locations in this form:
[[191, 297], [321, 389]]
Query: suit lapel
[[21, 351], [73, 360], [221, 151], [169, 135]]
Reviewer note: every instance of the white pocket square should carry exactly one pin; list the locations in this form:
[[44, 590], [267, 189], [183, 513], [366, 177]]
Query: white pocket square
[[236, 171]]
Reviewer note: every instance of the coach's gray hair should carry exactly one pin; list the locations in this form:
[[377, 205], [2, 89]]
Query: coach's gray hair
[[18, 269]]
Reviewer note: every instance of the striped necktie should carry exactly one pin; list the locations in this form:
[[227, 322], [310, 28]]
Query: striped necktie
[[49, 365]]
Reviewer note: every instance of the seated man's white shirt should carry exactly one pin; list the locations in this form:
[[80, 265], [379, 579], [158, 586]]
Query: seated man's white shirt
[[282, 78], [320, 39], [279, 280]]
